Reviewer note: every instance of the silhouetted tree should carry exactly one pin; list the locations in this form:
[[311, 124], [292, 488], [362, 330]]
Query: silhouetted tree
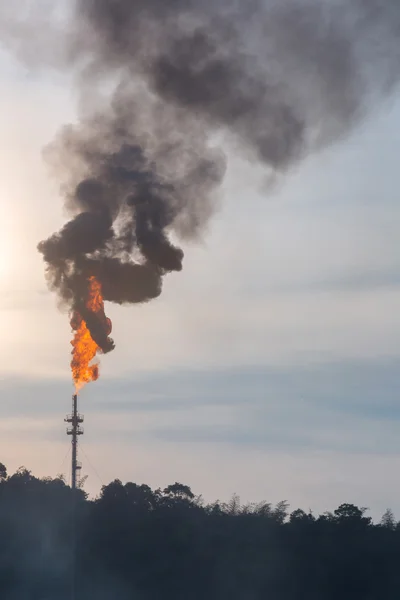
[[388, 520]]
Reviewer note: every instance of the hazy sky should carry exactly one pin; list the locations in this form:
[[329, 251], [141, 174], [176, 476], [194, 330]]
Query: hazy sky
[[269, 366]]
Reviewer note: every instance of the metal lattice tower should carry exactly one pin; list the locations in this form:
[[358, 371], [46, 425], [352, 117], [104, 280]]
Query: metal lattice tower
[[75, 420], [75, 429]]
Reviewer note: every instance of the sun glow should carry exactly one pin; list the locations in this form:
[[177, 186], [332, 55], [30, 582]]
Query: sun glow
[[7, 252]]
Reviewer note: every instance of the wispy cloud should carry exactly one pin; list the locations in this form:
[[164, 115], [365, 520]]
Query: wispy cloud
[[343, 405]]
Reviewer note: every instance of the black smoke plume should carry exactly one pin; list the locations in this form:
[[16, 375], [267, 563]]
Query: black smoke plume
[[161, 82]]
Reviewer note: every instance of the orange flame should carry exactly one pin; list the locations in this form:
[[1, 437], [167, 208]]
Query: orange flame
[[84, 368]]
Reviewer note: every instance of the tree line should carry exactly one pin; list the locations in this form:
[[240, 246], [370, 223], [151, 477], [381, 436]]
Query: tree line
[[133, 542]]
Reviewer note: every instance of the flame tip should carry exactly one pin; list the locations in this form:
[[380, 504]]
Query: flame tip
[[85, 348]]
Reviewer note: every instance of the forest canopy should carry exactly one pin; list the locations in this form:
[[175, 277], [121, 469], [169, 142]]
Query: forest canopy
[[133, 542]]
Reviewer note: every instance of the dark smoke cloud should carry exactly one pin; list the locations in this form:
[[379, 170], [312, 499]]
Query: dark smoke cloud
[[161, 81], [132, 175]]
